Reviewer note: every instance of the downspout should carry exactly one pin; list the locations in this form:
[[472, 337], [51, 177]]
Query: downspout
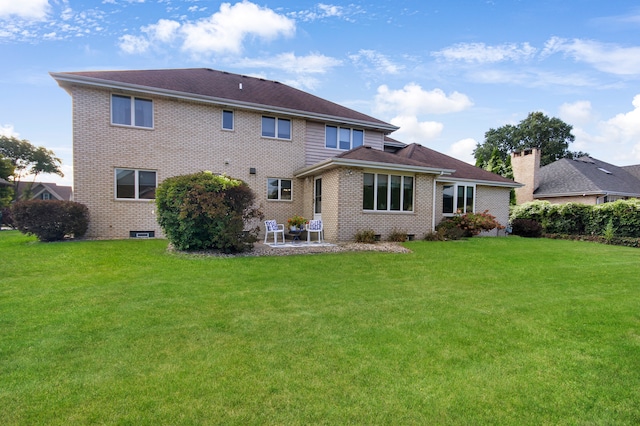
[[433, 207]]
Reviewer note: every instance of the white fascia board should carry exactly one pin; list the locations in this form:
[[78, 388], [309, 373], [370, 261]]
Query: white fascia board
[[482, 182], [229, 103], [342, 162]]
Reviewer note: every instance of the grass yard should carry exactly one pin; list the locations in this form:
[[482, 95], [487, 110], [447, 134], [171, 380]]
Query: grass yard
[[483, 331]]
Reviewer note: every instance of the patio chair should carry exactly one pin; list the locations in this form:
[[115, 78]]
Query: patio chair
[[271, 227], [315, 226]]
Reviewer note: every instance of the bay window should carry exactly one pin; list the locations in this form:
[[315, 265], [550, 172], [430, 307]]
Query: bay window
[[382, 192]]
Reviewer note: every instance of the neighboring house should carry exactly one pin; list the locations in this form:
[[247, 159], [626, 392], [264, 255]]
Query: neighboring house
[[583, 180], [301, 154], [45, 191], [5, 183]]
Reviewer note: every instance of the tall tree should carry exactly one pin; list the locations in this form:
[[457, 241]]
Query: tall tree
[[6, 173], [551, 135], [28, 159]]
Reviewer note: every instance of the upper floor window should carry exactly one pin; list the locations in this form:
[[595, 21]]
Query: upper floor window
[[227, 119], [343, 137], [279, 189], [136, 184], [458, 199], [279, 128], [387, 192], [131, 111]]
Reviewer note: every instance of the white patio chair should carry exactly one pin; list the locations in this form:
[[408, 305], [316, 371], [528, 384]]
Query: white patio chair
[[271, 227], [315, 226]]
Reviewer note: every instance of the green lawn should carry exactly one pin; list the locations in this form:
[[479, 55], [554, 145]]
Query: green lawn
[[483, 331]]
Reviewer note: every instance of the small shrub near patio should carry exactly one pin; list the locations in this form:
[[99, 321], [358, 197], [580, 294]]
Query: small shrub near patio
[[526, 228], [204, 211], [51, 220], [397, 235], [367, 236]]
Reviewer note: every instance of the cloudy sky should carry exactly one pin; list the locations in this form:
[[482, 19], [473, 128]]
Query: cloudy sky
[[445, 71]]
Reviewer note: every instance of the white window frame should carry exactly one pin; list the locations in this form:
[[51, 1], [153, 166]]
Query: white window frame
[[375, 193], [277, 124], [279, 189], [233, 120], [136, 184], [133, 111], [338, 128], [456, 208]]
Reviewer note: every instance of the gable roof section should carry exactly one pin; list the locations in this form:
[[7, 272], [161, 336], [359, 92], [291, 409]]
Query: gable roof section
[[225, 89], [413, 158], [59, 192], [585, 175], [462, 170]]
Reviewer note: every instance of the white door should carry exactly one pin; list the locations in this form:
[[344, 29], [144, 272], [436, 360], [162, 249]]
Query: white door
[[317, 198]]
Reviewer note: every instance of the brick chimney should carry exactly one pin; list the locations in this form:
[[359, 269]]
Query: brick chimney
[[526, 165]]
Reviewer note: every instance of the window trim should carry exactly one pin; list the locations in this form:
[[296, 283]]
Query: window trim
[[136, 183], [456, 187], [132, 118], [389, 200], [279, 189], [276, 132], [233, 120], [338, 129]]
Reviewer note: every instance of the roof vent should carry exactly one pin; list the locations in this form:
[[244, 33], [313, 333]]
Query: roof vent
[[604, 170], [240, 86]]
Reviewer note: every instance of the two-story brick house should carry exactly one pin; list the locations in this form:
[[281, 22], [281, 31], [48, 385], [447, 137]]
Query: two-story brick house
[[301, 154]]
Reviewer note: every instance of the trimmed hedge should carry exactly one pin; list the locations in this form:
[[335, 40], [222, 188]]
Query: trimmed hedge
[[582, 219], [204, 211], [51, 220]]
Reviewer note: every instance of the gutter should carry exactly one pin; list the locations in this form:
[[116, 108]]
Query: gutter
[[342, 162], [483, 182], [108, 84]]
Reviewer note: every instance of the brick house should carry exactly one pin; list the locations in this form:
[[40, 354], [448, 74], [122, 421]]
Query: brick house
[[301, 154], [584, 180]]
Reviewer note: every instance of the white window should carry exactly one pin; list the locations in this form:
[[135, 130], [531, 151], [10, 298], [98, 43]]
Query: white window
[[458, 199], [279, 189], [279, 128], [132, 184], [383, 192], [227, 119], [131, 111], [343, 138], [45, 196]]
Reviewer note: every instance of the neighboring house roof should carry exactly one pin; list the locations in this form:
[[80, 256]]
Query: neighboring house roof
[[585, 176], [58, 192], [5, 183], [225, 89], [634, 170], [412, 158]]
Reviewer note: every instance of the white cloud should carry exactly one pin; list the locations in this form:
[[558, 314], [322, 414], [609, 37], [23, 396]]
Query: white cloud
[[463, 150], [134, 44], [411, 130], [26, 9], [164, 31], [413, 100], [323, 11], [482, 53], [226, 30], [576, 113], [607, 57], [314, 63], [8, 131], [381, 63]]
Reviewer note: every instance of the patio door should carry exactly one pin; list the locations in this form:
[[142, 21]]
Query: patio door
[[317, 198]]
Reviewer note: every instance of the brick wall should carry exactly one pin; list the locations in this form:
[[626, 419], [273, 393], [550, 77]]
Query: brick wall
[[525, 165]]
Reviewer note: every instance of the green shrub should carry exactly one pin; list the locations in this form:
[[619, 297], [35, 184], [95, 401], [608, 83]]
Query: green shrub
[[204, 211], [470, 224], [7, 217], [448, 229], [51, 220], [367, 236], [529, 228], [397, 235]]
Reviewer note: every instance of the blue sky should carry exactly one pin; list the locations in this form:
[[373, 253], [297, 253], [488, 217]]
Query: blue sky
[[444, 71]]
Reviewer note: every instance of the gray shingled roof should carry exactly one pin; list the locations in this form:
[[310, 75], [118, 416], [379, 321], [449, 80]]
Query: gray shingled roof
[[585, 175], [224, 88]]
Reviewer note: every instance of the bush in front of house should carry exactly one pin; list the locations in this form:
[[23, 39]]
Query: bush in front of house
[[397, 236], [367, 236], [203, 211], [50, 220], [529, 228], [470, 224], [7, 217]]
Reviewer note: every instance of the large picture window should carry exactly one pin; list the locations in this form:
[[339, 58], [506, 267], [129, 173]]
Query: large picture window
[[343, 138], [458, 198], [131, 111], [132, 184], [279, 189], [279, 128], [382, 192]]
